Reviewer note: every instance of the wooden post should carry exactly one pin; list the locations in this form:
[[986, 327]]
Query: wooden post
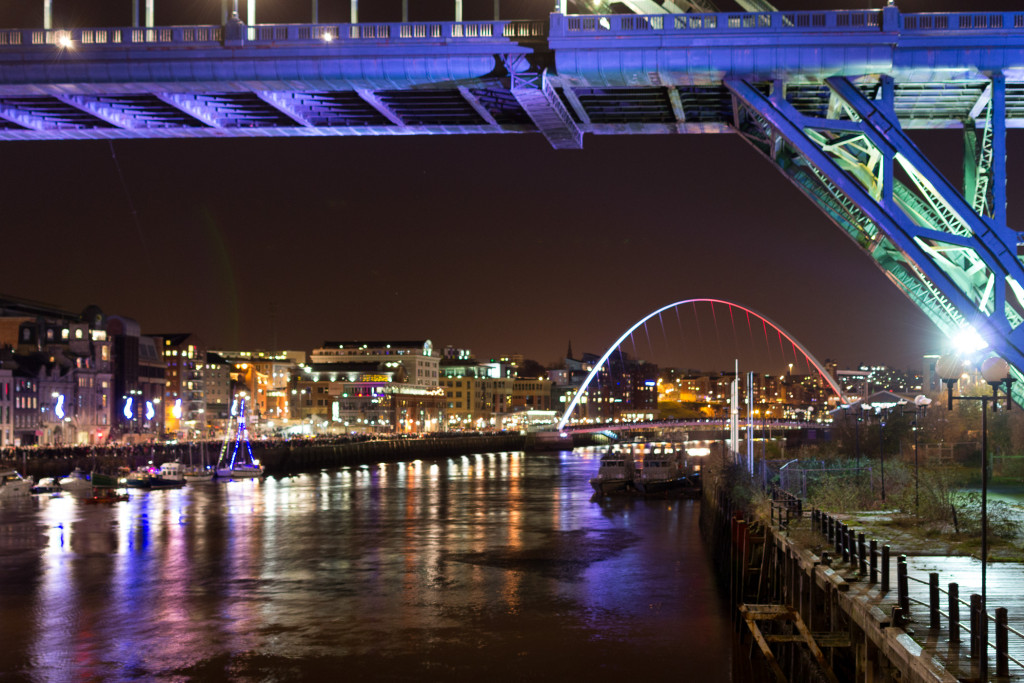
[[862, 554], [885, 568], [902, 589], [934, 620], [844, 541], [874, 560], [975, 626], [954, 612], [1002, 634]]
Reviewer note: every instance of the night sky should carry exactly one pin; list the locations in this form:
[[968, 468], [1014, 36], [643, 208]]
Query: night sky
[[497, 243]]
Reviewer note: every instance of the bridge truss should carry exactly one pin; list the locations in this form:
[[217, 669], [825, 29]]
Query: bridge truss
[[826, 97]]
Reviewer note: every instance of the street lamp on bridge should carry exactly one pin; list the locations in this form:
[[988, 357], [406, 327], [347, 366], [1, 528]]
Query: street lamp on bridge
[[996, 372]]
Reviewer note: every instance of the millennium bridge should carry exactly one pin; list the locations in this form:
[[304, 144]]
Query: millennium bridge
[[827, 97]]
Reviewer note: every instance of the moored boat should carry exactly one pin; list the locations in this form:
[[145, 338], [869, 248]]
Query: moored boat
[[195, 473], [663, 471], [106, 495], [13, 485], [615, 473], [76, 482], [238, 462], [168, 476], [46, 485]]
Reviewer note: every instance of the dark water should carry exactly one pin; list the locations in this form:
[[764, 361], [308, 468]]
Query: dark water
[[491, 567]]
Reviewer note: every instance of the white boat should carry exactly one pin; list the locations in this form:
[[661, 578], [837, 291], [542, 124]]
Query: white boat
[[46, 485], [240, 471], [194, 473], [13, 485], [172, 472], [615, 473], [663, 470], [77, 481]]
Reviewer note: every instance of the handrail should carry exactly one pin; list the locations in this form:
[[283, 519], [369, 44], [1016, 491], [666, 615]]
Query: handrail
[[276, 34]]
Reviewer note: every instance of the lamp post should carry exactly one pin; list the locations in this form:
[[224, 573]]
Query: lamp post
[[996, 372], [921, 402]]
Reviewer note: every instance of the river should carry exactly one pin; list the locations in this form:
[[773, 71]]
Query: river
[[493, 567]]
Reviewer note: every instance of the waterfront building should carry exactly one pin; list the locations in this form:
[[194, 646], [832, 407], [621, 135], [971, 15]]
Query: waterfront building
[[218, 392], [345, 396], [265, 376], [477, 395], [6, 406], [420, 362], [61, 365], [139, 374], [184, 356]]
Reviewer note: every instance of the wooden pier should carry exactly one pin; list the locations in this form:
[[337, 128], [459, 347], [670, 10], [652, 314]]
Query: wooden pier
[[872, 613]]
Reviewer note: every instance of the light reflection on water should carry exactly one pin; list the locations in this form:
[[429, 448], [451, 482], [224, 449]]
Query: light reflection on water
[[496, 565]]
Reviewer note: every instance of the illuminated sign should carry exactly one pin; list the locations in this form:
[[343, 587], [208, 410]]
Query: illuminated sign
[[150, 412], [373, 378], [176, 410], [59, 410], [128, 408]]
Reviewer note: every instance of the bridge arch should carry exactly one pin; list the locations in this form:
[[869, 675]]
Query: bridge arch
[[625, 335]]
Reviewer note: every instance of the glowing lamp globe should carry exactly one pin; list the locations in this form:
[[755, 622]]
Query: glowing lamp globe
[[995, 370]]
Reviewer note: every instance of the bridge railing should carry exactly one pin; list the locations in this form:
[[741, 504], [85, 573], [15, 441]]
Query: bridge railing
[[274, 34], [855, 20], [870, 21]]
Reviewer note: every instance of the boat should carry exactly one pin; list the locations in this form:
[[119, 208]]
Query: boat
[[615, 473], [13, 485], [116, 480], [237, 462], [46, 485], [663, 471], [76, 482], [196, 473], [168, 476], [106, 495]]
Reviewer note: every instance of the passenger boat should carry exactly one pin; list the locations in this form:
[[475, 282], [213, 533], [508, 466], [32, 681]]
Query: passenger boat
[[168, 476], [663, 471], [13, 485], [615, 473], [76, 482]]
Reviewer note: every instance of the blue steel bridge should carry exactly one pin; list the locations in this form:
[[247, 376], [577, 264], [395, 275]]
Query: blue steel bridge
[[827, 97]]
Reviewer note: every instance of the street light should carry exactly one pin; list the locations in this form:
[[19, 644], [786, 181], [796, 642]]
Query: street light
[[996, 372], [921, 402]]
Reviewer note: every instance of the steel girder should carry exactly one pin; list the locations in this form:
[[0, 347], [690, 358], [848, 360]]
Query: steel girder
[[858, 165]]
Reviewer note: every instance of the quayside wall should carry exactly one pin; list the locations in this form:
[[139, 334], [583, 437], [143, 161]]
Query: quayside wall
[[295, 457], [854, 620], [289, 457]]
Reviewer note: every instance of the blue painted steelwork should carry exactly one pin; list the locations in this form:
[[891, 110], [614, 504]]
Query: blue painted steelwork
[[826, 96]]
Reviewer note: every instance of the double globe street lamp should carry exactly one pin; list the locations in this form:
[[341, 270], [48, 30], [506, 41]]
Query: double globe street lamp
[[996, 372]]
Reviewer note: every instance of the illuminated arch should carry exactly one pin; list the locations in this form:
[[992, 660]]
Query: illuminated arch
[[611, 349]]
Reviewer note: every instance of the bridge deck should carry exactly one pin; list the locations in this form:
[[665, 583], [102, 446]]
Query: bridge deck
[[614, 74]]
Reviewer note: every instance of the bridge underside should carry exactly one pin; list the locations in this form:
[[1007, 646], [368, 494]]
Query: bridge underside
[[827, 97]]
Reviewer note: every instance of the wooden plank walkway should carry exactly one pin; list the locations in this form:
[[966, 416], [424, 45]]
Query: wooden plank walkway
[[1005, 588]]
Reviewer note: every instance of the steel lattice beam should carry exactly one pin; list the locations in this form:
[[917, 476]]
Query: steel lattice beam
[[958, 266]]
